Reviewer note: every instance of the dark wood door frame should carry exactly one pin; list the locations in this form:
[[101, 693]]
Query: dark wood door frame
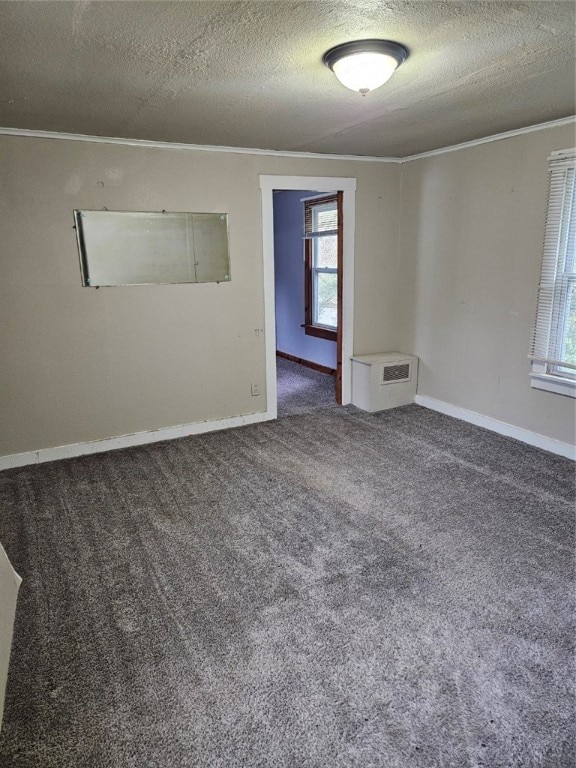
[[314, 330], [339, 300]]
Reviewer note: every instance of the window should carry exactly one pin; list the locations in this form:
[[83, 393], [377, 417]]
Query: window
[[554, 342], [322, 233]]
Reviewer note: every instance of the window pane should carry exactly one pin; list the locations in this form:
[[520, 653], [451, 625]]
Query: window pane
[[326, 252], [569, 337], [324, 217], [326, 300], [570, 257]]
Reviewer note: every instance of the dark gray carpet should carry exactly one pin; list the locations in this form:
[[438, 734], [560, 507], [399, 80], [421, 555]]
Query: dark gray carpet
[[330, 590], [302, 390]]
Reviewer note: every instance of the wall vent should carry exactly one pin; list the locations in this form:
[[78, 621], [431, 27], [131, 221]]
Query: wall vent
[[384, 380], [395, 373]]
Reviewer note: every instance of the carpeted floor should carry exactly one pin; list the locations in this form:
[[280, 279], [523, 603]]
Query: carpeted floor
[[302, 390], [330, 590]]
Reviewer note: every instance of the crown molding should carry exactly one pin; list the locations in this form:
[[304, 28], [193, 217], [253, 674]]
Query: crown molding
[[494, 137], [150, 144]]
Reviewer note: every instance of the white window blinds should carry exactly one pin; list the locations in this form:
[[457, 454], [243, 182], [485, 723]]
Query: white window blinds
[[320, 217], [554, 339]]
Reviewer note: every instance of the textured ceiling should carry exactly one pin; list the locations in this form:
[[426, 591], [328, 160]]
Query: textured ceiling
[[250, 74]]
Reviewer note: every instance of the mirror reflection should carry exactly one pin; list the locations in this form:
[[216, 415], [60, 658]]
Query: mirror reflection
[[139, 248]]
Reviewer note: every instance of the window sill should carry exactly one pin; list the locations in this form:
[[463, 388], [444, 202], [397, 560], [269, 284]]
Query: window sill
[[322, 333], [553, 384]]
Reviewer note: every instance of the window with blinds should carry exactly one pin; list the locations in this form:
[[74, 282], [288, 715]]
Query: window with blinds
[[553, 349], [321, 228], [320, 217]]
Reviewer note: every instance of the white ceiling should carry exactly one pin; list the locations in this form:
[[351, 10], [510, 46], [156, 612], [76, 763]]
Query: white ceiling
[[250, 74]]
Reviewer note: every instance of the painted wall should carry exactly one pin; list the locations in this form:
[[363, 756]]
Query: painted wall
[[472, 227], [80, 364], [289, 282]]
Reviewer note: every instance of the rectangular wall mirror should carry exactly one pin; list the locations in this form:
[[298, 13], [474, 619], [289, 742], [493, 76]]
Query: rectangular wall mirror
[[140, 248]]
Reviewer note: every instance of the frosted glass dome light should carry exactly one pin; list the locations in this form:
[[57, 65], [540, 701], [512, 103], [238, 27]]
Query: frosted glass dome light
[[364, 71], [363, 65]]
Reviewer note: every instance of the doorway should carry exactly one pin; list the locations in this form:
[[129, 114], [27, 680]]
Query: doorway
[[307, 273], [344, 188]]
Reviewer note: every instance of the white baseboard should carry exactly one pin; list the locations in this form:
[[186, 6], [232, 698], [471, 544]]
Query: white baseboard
[[183, 430], [127, 441], [501, 427]]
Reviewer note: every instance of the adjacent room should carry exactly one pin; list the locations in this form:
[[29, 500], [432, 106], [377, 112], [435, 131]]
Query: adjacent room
[[306, 275], [287, 384]]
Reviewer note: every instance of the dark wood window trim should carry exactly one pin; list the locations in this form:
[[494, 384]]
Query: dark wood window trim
[[320, 332], [310, 329]]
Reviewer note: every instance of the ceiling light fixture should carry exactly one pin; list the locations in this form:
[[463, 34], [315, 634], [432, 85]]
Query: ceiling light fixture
[[363, 65]]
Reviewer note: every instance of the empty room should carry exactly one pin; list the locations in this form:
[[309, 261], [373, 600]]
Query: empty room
[[287, 384]]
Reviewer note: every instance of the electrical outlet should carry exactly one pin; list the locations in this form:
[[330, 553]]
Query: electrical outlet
[[255, 390]]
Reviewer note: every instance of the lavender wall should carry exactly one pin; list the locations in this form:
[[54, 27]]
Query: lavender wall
[[289, 283]]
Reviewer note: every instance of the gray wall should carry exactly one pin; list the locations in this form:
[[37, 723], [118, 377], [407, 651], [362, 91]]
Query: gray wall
[[80, 364], [289, 282], [472, 228]]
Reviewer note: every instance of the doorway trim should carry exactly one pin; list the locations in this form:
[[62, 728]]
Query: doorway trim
[[319, 184]]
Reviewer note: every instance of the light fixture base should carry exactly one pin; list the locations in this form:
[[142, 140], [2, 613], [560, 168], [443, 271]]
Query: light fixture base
[[372, 45]]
